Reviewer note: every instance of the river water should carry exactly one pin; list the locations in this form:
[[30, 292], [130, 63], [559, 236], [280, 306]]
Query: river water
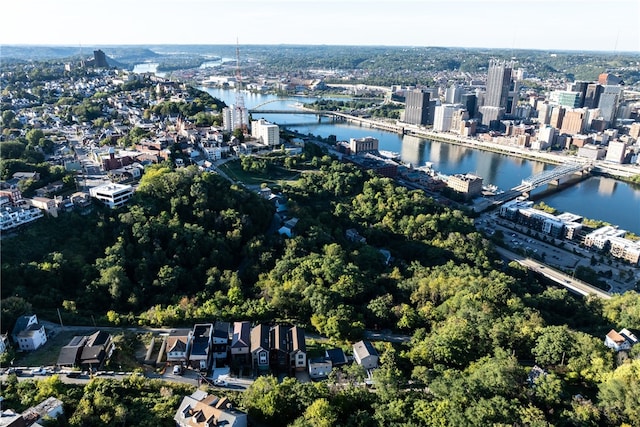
[[596, 197]]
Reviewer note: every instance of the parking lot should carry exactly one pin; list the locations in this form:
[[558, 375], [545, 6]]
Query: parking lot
[[561, 254]]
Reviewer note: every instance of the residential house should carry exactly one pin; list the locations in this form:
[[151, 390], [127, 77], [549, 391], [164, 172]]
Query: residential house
[[365, 355], [23, 176], [89, 352], [353, 235], [279, 347], [177, 345], [28, 334], [50, 189], [200, 355], [44, 203], [287, 228], [337, 356], [297, 349], [70, 354], [48, 408], [319, 367], [260, 347], [622, 340], [97, 350], [241, 341], [12, 217], [80, 200], [220, 342], [203, 410]]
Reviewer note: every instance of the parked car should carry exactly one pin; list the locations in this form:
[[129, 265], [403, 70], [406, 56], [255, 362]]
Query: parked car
[[39, 371], [220, 383], [177, 370]]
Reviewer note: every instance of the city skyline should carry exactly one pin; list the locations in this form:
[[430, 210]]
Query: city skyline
[[542, 24]]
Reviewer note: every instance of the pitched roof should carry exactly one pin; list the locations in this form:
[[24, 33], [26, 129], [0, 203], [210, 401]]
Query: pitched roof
[[68, 356], [21, 324], [297, 339], [98, 338], [337, 356], [260, 337], [278, 338], [241, 335], [176, 344], [616, 337], [202, 410], [364, 349]]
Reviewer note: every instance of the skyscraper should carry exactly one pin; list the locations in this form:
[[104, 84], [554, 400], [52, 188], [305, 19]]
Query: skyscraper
[[417, 107], [574, 121], [498, 84], [608, 104], [592, 95]]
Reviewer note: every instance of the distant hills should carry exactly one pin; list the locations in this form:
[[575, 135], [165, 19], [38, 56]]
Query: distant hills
[[117, 56]]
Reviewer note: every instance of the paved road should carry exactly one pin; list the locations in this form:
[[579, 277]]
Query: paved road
[[569, 282]]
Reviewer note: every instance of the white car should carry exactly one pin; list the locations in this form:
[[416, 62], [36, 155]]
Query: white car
[[220, 383], [177, 370]]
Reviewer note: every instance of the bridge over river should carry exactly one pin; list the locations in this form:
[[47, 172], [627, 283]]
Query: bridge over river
[[554, 175]]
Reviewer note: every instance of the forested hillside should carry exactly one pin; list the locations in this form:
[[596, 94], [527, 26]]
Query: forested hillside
[[191, 246]]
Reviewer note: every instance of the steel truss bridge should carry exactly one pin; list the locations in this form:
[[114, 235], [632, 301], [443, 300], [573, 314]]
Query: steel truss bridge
[[555, 174]]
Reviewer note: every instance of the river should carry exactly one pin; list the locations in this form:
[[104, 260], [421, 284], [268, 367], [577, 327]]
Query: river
[[596, 197]]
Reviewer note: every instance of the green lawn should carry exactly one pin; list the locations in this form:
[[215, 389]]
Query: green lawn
[[47, 355], [275, 176]]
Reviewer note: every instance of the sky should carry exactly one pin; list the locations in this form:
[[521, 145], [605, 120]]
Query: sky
[[612, 25]]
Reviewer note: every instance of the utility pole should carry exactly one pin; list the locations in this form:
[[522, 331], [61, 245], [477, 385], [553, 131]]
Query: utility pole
[[60, 317]]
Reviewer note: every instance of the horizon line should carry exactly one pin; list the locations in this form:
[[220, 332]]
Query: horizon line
[[69, 45]]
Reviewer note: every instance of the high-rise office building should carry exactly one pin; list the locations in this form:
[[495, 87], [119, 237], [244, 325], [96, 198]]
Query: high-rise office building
[[470, 102], [417, 107], [569, 99], [574, 121], [608, 104], [453, 94], [556, 117], [592, 95], [444, 115], [609, 79], [544, 113], [581, 88], [100, 59], [498, 84], [616, 152]]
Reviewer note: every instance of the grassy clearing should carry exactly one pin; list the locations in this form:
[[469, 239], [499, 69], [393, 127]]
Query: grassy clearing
[[47, 355], [276, 175]]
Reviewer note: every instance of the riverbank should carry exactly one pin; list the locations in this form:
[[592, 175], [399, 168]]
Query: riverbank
[[621, 172]]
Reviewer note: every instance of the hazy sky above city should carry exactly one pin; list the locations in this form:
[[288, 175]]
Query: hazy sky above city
[[611, 25]]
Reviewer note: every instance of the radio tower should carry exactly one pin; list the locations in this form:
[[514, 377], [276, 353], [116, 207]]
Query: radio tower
[[240, 110]]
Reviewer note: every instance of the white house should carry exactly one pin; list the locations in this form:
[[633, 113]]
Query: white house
[[177, 345], [365, 355], [622, 340], [320, 367], [28, 334]]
